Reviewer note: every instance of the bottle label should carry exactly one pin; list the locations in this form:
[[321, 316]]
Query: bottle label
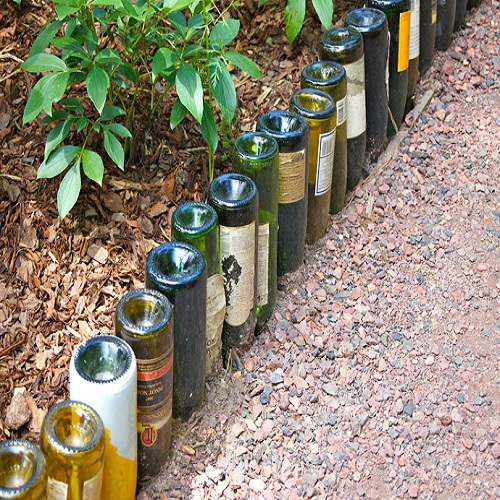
[[434, 10], [216, 309], [154, 380], [148, 425], [325, 163], [56, 490], [415, 29], [341, 111], [238, 268], [404, 41], [356, 104], [292, 177], [92, 487], [263, 267]]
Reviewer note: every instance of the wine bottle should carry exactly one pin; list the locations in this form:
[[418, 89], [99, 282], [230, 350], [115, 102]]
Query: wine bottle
[[330, 77], [72, 440], [291, 132], [236, 201], [471, 4], [398, 16], [445, 22], [320, 111], [345, 46], [179, 271], [197, 223], [414, 53], [428, 17], [255, 154], [460, 8], [103, 374], [23, 475], [372, 24], [144, 319]]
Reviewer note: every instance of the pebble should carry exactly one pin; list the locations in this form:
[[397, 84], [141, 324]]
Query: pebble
[[265, 395], [409, 408]]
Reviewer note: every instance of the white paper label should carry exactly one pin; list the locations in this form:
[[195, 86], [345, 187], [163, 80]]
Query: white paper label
[[216, 308], [56, 490], [325, 162], [292, 176], [238, 268], [415, 29], [263, 267], [92, 487], [341, 111], [356, 105]]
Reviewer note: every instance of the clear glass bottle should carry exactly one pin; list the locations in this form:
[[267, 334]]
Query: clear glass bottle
[[197, 223], [144, 319], [372, 24], [291, 132], [398, 14], [330, 77], [72, 441], [255, 154], [320, 111], [179, 271], [445, 21], [428, 17], [103, 374], [23, 475], [345, 46], [236, 201]]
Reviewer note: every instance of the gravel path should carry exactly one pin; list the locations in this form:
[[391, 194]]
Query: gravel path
[[378, 376]]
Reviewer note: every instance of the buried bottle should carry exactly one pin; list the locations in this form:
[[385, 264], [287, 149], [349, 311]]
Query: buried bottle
[[72, 440], [345, 46], [372, 24], [255, 154], [460, 8], [428, 18], [320, 111], [197, 223], [179, 271], [330, 77], [144, 319], [413, 53], [291, 132], [23, 475], [235, 199], [445, 21], [103, 374]]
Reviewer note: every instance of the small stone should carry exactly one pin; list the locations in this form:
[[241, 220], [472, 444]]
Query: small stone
[[214, 474], [460, 398], [276, 378], [495, 451], [265, 395], [363, 419], [98, 253], [467, 442], [408, 345], [478, 401], [18, 412], [331, 389], [257, 485], [413, 491], [429, 361], [471, 456], [434, 428], [456, 416], [445, 420], [409, 408]]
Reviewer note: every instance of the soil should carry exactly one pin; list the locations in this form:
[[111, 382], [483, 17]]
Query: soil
[[378, 374]]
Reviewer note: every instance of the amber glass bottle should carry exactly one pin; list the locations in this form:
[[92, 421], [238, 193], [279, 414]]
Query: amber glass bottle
[[179, 271], [255, 154], [197, 223], [428, 18], [144, 319], [320, 111], [291, 132], [73, 441], [23, 475], [330, 77], [445, 21]]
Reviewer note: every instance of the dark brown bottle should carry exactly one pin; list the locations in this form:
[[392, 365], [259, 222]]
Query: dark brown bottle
[[428, 18]]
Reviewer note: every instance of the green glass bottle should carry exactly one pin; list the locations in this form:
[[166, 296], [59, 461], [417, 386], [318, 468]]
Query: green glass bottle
[[320, 111], [330, 77], [255, 154], [291, 132], [445, 21], [197, 223], [72, 440], [23, 475], [345, 46], [144, 319], [460, 8], [398, 14], [428, 17], [236, 201], [179, 271], [414, 53]]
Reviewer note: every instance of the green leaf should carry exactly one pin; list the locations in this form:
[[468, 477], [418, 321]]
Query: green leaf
[[43, 62], [73, 104], [69, 190], [57, 162], [262, 2], [190, 90], [118, 129], [222, 86], [295, 12], [114, 148], [81, 123], [224, 32], [113, 3], [65, 9], [43, 40], [178, 22], [177, 114], [108, 55], [111, 112], [324, 9], [209, 128], [163, 59], [176, 5], [57, 135], [93, 165], [49, 89], [244, 63], [97, 87], [71, 45]]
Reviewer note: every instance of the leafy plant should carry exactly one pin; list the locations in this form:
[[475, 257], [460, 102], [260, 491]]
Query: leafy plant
[[295, 12], [96, 56]]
